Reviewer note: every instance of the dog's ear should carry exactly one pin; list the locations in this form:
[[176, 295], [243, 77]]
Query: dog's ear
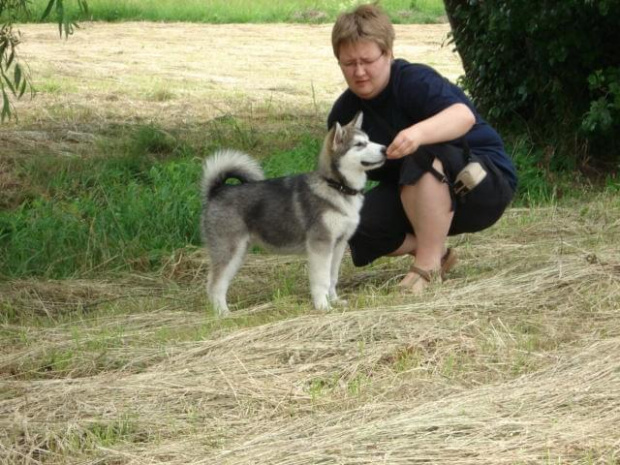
[[338, 136], [357, 120]]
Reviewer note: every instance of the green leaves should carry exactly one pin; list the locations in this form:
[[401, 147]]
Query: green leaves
[[48, 9], [16, 85], [14, 81], [604, 112], [550, 69], [65, 25], [6, 105], [14, 78]]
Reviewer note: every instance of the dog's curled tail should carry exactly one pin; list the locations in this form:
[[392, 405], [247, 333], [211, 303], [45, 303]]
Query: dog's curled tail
[[228, 164]]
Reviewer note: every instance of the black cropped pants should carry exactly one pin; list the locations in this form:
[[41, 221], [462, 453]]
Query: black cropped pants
[[384, 224]]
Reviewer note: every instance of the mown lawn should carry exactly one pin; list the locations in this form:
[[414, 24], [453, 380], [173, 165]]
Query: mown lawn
[[110, 353]]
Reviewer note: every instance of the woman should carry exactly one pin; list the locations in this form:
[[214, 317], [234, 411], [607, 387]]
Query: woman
[[432, 131]]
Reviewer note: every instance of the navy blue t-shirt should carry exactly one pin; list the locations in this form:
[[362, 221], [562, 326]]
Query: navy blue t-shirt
[[414, 93]]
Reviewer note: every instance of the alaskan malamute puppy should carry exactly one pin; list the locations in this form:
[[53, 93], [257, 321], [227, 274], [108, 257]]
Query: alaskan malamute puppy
[[315, 212]]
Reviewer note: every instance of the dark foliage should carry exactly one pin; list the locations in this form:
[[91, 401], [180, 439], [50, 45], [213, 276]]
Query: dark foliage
[[549, 67]]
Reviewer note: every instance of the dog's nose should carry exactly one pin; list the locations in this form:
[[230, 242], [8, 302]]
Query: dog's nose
[[384, 150]]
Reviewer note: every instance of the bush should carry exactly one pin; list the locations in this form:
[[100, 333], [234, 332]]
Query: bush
[[553, 66]]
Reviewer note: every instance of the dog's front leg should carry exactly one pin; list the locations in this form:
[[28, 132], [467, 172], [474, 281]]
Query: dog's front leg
[[319, 263], [339, 250]]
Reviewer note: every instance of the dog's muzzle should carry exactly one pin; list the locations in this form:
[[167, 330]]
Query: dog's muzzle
[[377, 163]]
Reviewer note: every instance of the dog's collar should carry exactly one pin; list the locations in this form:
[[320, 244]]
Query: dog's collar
[[342, 188]]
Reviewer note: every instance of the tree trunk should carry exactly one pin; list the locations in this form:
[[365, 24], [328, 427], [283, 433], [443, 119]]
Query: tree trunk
[[451, 6], [458, 27]]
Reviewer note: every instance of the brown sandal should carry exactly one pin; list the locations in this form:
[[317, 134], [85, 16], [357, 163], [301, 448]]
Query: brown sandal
[[425, 275], [448, 261]]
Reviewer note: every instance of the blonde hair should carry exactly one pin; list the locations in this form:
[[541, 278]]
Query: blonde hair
[[366, 22]]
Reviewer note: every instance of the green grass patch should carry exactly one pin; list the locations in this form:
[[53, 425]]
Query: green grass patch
[[136, 201], [128, 211], [239, 11], [545, 179], [103, 212]]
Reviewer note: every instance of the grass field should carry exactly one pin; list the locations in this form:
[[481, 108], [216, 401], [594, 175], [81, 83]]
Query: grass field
[[111, 355], [241, 11]]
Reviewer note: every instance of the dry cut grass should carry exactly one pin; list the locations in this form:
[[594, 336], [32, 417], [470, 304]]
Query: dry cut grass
[[181, 77], [513, 360], [177, 74]]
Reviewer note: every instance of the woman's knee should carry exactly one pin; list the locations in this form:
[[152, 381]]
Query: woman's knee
[[432, 189]]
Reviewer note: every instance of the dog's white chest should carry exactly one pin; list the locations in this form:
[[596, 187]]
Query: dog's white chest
[[342, 223]]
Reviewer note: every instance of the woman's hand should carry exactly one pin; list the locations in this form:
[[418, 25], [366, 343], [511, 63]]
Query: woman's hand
[[406, 141], [449, 124]]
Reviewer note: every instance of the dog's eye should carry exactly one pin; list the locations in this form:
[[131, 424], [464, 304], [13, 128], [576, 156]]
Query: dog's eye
[[361, 144]]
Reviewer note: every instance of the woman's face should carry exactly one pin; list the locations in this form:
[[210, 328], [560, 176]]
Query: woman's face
[[365, 67]]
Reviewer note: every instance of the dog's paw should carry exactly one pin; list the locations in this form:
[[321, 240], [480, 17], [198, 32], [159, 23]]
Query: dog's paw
[[338, 302], [322, 305], [324, 308], [221, 312]]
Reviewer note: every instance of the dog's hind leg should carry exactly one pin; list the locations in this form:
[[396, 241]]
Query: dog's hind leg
[[319, 264], [337, 256], [224, 267]]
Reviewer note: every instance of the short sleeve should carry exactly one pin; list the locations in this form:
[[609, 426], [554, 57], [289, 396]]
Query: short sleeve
[[422, 92]]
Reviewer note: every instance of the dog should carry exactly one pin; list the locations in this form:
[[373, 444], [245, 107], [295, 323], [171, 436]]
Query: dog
[[315, 212]]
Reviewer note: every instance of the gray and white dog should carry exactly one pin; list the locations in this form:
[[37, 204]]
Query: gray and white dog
[[315, 212]]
